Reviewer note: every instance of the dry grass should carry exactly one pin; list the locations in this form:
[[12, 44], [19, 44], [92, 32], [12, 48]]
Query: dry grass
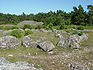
[[56, 61]]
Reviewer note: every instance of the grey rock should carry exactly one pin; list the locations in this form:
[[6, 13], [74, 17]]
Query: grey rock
[[41, 39], [7, 32], [75, 38], [27, 29], [76, 66], [61, 32], [47, 46], [21, 30], [54, 30], [59, 36], [30, 22], [9, 42], [61, 42], [34, 30], [75, 45], [84, 37], [43, 30], [27, 42], [73, 41], [6, 65]]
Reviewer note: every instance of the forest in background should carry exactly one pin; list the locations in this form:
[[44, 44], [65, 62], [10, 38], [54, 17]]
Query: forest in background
[[76, 17]]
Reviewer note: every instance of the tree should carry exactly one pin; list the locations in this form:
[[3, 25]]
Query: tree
[[90, 15], [78, 16]]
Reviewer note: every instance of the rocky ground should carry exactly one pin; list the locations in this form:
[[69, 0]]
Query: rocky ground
[[52, 52]]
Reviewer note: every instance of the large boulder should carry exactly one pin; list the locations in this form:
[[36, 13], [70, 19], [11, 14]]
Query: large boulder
[[27, 42], [9, 42], [61, 42], [75, 38], [41, 39], [84, 37], [75, 45], [6, 65], [73, 41], [46, 46]]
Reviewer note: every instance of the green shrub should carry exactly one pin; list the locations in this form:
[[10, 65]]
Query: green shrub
[[27, 26], [80, 33], [16, 33], [1, 27], [63, 27], [80, 28], [67, 31], [39, 26], [27, 32], [10, 28], [75, 32]]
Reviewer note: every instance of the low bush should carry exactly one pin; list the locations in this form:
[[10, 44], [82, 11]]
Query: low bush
[[27, 26], [80, 28], [63, 27], [75, 32], [27, 32], [80, 33], [16, 33], [67, 31]]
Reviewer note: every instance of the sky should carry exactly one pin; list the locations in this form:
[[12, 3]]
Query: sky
[[36, 6]]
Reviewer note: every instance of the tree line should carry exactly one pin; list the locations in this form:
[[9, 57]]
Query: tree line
[[76, 17]]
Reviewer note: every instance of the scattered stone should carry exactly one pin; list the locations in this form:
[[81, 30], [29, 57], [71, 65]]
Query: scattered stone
[[59, 36], [43, 30], [6, 65], [34, 30], [10, 55], [76, 66], [7, 32], [46, 46], [21, 30], [27, 29], [9, 42], [54, 30], [61, 32]]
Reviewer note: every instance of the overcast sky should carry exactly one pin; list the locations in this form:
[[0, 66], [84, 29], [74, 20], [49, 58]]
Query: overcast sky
[[36, 6]]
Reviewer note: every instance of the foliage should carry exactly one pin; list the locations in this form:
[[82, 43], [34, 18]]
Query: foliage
[[28, 32], [80, 33], [63, 27], [67, 31], [39, 26], [27, 26], [16, 33], [77, 17], [75, 32], [80, 28]]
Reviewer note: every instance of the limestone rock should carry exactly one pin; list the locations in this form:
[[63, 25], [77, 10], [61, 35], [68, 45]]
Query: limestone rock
[[27, 42], [9, 42], [21, 30], [47, 46], [6, 65], [59, 36], [76, 66], [7, 32], [43, 30]]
